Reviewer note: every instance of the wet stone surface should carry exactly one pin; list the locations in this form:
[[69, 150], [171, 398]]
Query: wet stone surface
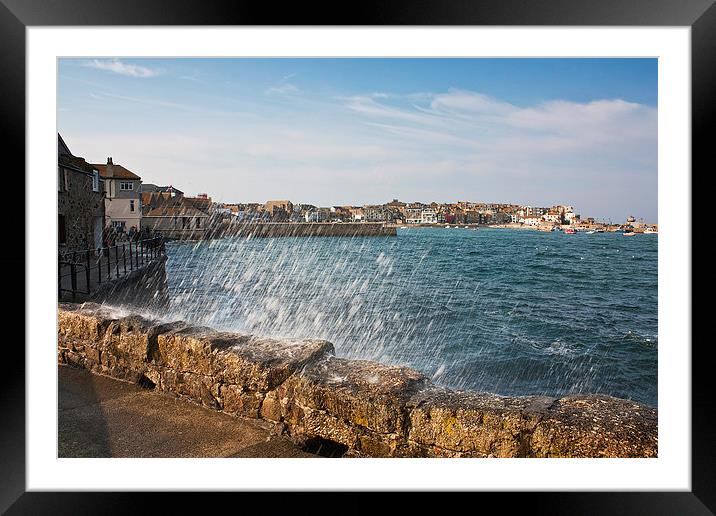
[[349, 407]]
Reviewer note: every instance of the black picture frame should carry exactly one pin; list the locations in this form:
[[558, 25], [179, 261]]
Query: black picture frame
[[17, 15]]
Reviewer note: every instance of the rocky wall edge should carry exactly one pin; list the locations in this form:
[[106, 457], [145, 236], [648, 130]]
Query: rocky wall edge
[[363, 408]]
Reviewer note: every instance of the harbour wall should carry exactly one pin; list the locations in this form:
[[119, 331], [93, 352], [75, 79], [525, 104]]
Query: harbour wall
[[302, 229], [146, 286], [355, 407]]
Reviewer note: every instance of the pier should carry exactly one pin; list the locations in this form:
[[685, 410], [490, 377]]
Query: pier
[[305, 229]]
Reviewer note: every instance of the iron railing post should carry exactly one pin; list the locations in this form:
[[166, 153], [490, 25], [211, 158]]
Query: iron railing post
[[144, 251], [87, 275], [59, 274], [99, 265], [73, 271]]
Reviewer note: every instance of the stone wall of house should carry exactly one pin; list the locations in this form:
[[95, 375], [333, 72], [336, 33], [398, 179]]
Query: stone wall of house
[[358, 407], [80, 205]]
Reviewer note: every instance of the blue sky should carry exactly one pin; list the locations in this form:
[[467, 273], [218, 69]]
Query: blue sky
[[357, 131]]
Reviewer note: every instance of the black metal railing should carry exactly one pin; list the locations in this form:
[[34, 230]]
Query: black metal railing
[[80, 272]]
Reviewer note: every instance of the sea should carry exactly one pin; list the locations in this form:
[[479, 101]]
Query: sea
[[506, 311]]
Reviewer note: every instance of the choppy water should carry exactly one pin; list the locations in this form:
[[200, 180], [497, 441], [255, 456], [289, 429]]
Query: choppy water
[[505, 311]]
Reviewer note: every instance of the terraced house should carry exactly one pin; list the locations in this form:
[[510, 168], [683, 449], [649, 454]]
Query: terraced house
[[80, 211], [123, 199]]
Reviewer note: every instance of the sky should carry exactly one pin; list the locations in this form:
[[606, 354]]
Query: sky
[[538, 132]]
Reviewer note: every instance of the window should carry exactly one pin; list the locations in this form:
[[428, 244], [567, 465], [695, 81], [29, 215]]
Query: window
[[95, 181], [126, 185], [60, 180], [131, 205]]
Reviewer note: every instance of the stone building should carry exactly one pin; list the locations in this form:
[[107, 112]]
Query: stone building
[[166, 191], [376, 213], [180, 221], [279, 210], [80, 207], [173, 217], [123, 200]]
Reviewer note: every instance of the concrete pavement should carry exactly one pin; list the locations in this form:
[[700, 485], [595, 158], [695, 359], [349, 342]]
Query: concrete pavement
[[102, 417]]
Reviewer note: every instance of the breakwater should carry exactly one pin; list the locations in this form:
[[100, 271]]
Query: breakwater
[[359, 407], [302, 229]]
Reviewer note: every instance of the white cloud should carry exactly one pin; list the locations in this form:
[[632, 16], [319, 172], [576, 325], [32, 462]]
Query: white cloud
[[283, 89], [481, 122], [194, 77], [370, 148], [367, 105], [469, 102], [121, 68]]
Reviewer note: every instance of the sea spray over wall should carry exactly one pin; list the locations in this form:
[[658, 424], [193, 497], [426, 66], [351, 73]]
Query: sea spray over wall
[[510, 312]]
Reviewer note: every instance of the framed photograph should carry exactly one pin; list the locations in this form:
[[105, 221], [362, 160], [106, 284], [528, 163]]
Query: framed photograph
[[451, 243]]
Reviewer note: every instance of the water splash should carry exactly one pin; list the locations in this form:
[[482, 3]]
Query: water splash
[[511, 312]]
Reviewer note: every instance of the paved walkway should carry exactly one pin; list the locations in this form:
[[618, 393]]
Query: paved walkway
[[103, 417]]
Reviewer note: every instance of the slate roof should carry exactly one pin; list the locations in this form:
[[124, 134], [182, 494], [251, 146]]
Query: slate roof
[[175, 211], [75, 163], [117, 172]]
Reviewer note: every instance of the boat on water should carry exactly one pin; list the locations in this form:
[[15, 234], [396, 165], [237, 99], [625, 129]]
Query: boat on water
[[569, 231], [651, 231], [629, 233], [591, 232]]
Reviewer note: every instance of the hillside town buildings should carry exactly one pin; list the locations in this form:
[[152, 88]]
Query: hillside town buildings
[[414, 213], [94, 199]]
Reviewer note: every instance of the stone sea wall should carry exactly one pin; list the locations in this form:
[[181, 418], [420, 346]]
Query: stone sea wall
[[357, 407], [146, 286], [302, 229]]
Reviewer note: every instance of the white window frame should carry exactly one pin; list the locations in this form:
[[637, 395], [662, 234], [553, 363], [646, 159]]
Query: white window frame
[[95, 181], [126, 186]]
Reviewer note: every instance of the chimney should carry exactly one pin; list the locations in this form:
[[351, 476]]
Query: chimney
[[109, 161]]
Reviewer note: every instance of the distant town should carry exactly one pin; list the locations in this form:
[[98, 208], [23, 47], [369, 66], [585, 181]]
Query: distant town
[[98, 201]]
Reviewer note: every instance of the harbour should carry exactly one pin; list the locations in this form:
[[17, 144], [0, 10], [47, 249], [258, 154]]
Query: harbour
[[506, 311]]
